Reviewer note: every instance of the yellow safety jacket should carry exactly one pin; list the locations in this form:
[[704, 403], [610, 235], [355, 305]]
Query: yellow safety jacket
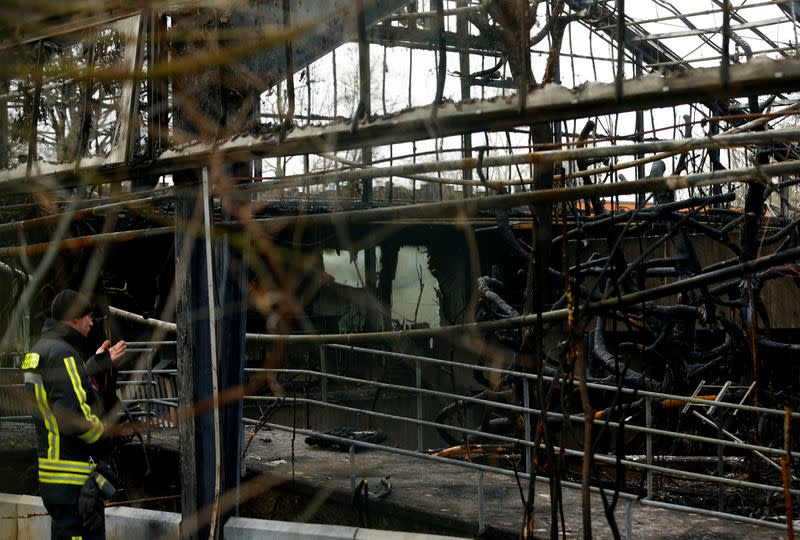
[[68, 416]]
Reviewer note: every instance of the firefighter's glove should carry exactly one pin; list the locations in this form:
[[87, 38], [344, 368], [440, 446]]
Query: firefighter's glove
[[90, 506], [106, 480], [101, 485]]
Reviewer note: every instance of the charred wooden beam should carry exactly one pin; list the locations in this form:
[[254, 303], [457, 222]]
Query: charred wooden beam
[[415, 38], [186, 348], [654, 293], [470, 207], [605, 19], [579, 154], [541, 105], [446, 209]]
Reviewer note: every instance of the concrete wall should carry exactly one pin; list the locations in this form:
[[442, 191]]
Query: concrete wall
[[238, 528], [23, 517], [123, 522]]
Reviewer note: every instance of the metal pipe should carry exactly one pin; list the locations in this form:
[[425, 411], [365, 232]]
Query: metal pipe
[[509, 473], [716, 276], [481, 505], [608, 459], [80, 242], [567, 451], [649, 431], [712, 513], [713, 30], [144, 371], [418, 383], [648, 411], [526, 393], [323, 368], [695, 14], [447, 209], [678, 145], [148, 200], [672, 63], [431, 14], [212, 330], [515, 408], [733, 138], [486, 468], [735, 438], [352, 468], [166, 403], [471, 207], [628, 521], [561, 104], [149, 392], [532, 376]]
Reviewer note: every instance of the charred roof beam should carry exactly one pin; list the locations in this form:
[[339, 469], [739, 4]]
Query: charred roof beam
[[599, 17], [545, 104], [792, 9]]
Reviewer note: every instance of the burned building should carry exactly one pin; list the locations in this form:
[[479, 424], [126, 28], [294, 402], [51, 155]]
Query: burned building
[[550, 240]]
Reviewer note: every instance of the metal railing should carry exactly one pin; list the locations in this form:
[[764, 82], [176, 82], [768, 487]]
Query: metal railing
[[650, 467], [156, 390]]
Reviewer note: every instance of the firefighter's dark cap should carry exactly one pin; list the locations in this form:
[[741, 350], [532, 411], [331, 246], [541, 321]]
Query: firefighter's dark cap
[[69, 304]]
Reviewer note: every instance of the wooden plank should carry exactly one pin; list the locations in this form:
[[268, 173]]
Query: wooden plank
[[184, 210]]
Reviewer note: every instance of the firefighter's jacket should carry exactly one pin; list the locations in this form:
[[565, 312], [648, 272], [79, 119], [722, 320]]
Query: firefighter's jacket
[[68, 417]]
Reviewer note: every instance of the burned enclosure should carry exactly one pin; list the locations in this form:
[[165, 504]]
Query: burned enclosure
[[551, 241]]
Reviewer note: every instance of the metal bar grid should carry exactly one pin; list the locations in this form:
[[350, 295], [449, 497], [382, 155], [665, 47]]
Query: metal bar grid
[[524, 410], [648, 467], [574, 418], [599, 457], [523, 475]]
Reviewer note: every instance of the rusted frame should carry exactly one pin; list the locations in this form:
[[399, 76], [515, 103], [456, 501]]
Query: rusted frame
[[547, 104]]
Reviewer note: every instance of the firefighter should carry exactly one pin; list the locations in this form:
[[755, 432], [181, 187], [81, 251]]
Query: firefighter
[[72, 445]]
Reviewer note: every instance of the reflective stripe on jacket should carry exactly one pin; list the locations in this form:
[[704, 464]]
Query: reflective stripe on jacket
[[68, 424]]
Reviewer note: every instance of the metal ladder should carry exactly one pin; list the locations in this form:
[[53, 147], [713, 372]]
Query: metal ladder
[[710, 408]]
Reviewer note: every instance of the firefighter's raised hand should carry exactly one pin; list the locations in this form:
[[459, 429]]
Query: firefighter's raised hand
[[116, 352]]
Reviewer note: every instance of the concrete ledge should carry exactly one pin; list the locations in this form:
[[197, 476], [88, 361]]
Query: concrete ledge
[[238, 528], [126, 522], [8, 516], [32, 520], [23, 517]]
